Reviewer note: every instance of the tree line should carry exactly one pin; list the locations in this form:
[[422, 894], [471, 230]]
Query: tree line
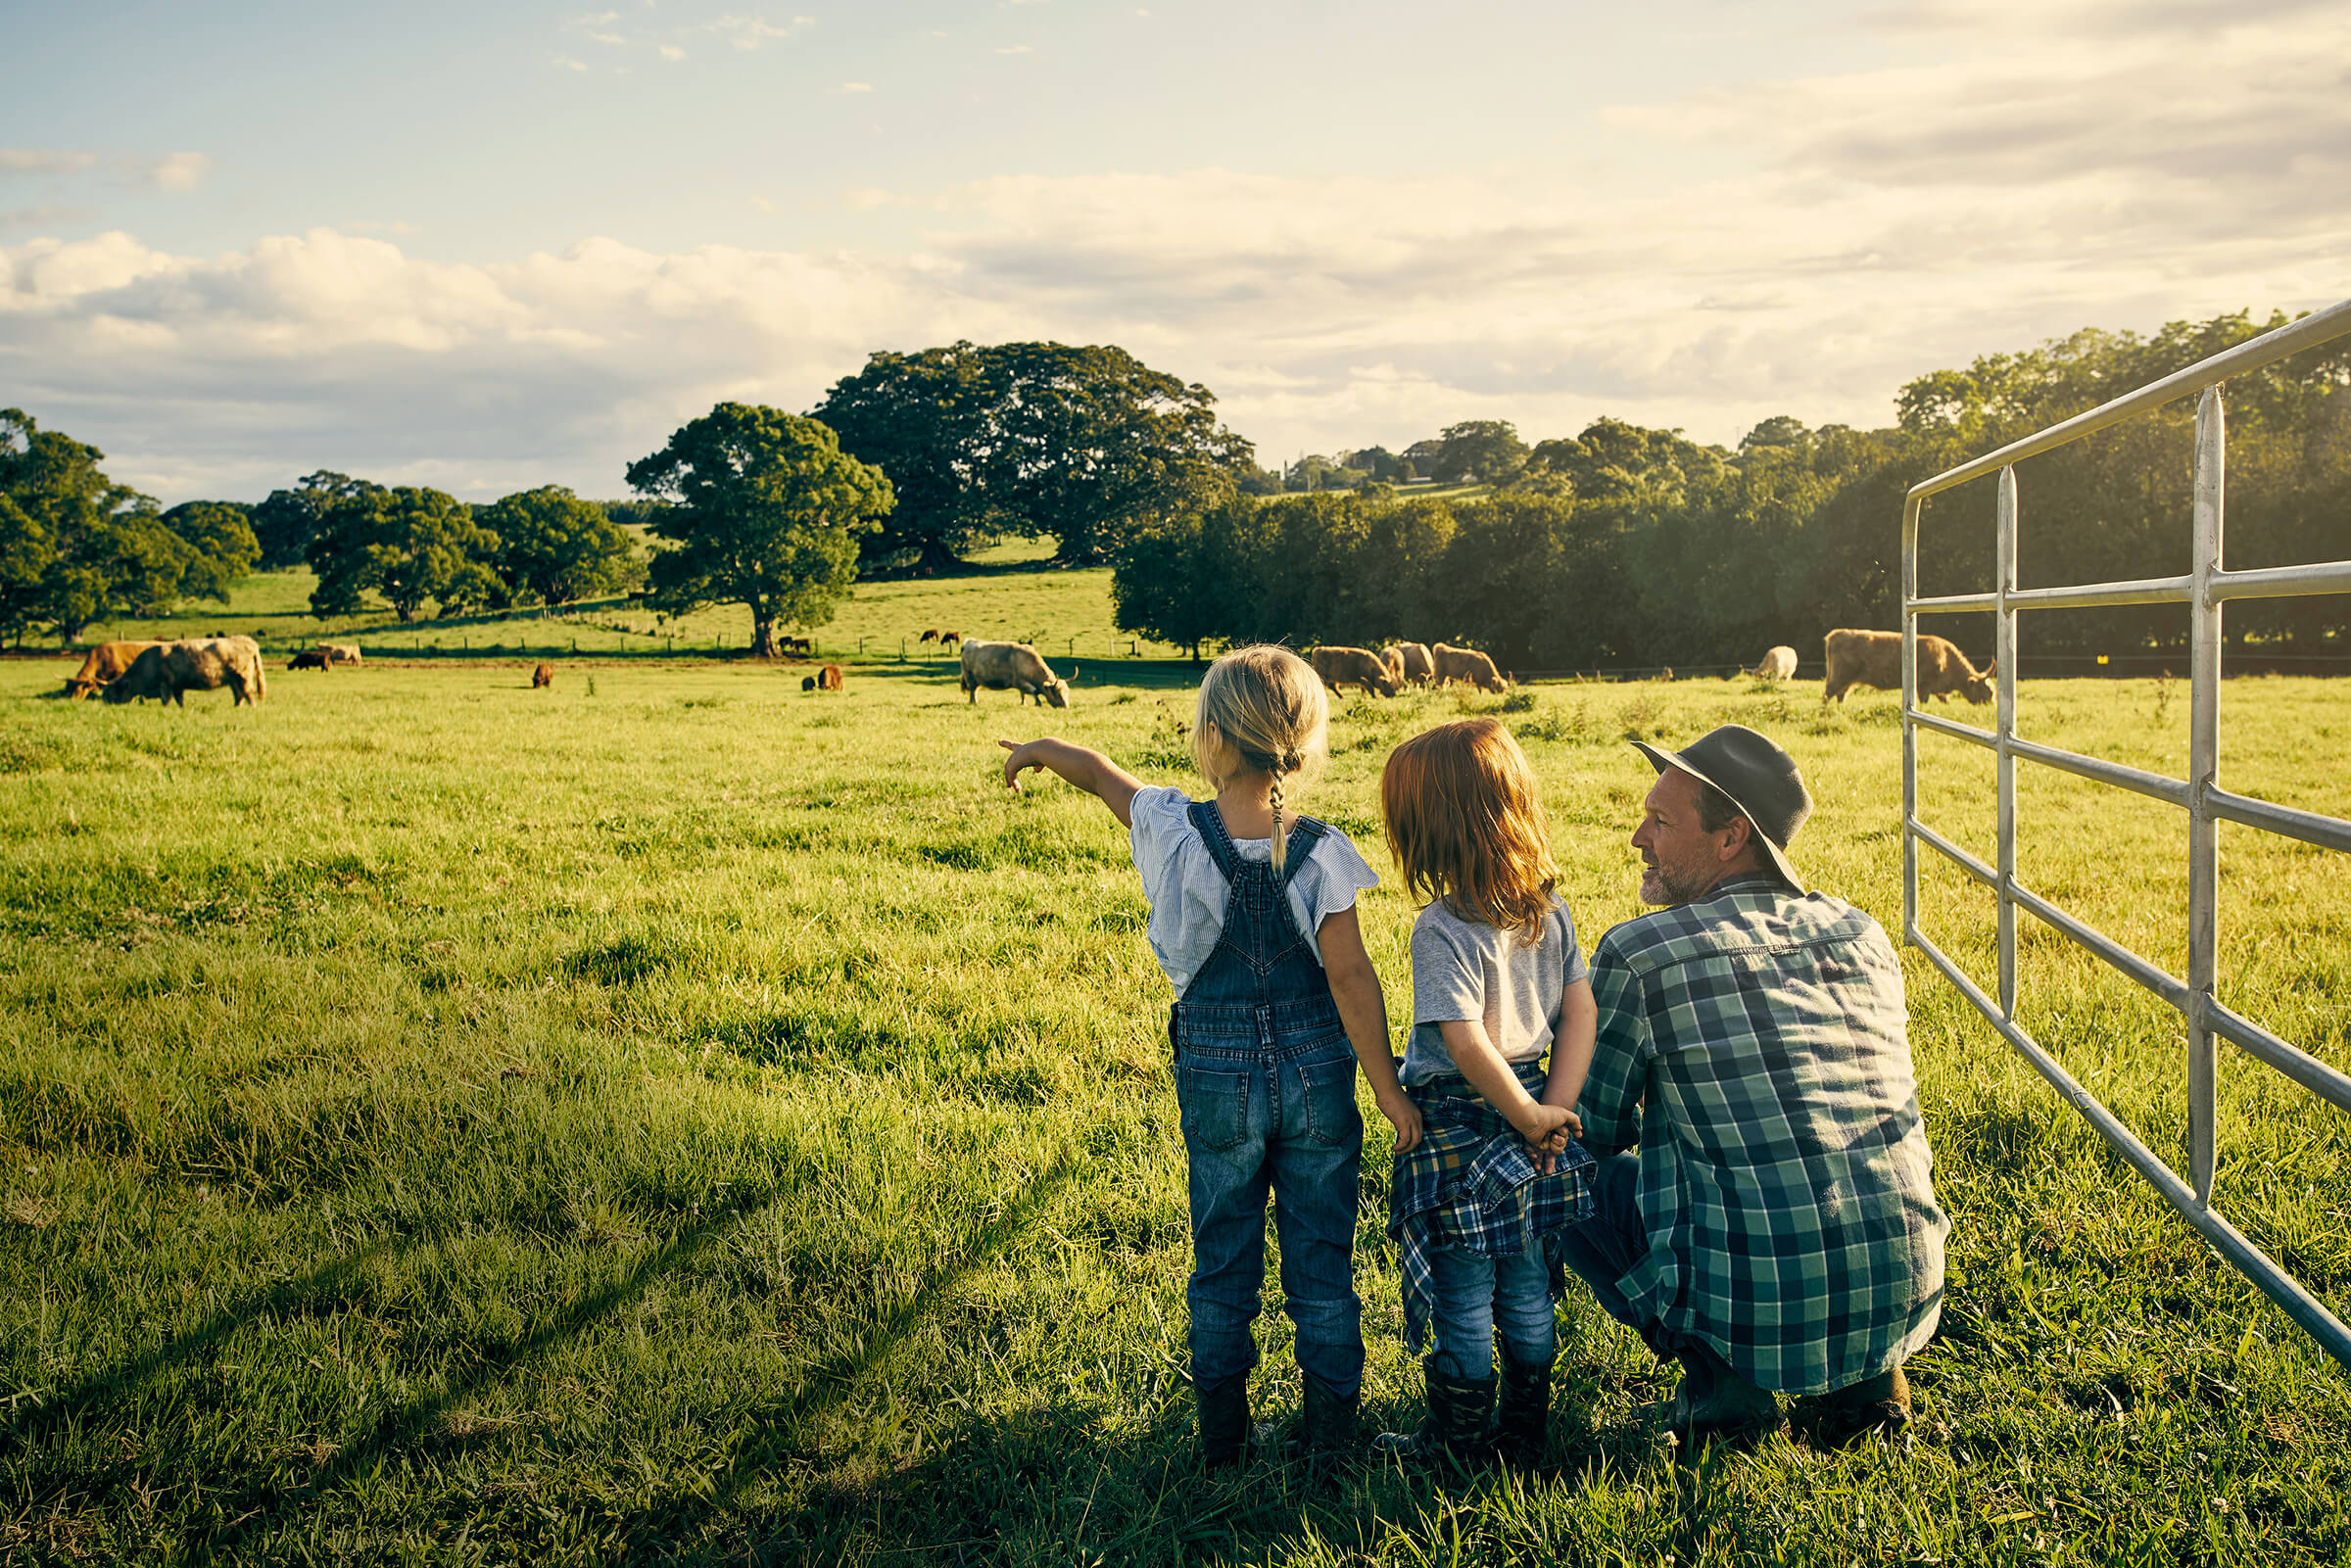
[[1634, 546], [1618, 544]]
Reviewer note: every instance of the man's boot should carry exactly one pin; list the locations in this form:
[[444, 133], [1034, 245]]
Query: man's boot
[[1713, 1402], [1522, 1412], [1834, 1419], [1454, 1427], [1223, 1420]]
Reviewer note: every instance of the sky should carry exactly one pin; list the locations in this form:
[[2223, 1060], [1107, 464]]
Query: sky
[[490, 246]]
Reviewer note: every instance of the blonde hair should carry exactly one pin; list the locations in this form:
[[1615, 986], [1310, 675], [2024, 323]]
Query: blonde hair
[[1271, 717], [1464, 823]]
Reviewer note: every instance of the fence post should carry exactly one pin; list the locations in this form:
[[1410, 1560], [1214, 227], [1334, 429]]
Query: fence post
[[2004, 645], [1912, 505], [2203, 761]]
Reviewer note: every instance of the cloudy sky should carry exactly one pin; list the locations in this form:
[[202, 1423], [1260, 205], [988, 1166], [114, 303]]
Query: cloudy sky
[[490, 246]]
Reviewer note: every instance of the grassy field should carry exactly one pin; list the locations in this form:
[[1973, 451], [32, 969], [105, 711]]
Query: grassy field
[[1014, 592], [673, 1117]]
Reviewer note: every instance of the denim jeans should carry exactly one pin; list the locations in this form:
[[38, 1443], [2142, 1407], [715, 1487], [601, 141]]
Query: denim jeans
[[1604, 1249], [1281, 1119], [1476, 1296]]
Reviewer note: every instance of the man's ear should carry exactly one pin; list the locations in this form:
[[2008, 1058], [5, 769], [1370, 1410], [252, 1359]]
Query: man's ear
[[1741, 834]]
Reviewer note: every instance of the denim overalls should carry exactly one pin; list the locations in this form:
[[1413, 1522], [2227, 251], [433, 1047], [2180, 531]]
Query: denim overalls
[[1265, 1080]]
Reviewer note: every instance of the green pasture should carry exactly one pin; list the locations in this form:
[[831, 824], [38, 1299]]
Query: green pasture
[[1014, 592], [674, 1118]]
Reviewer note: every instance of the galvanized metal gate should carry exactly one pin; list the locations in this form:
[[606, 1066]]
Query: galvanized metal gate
[[2204, 588]]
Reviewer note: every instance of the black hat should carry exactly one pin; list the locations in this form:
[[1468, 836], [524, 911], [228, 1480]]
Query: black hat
[[1760, 779]]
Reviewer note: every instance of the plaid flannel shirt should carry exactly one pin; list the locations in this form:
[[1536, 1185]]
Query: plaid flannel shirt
[[1470, 1183], [1755, 1045]]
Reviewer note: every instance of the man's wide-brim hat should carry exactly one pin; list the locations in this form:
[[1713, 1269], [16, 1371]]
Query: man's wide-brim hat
[[1760, 779]]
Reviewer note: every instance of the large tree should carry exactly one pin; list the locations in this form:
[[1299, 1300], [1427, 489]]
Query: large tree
[[767, 511], [285, 524], [1081, 445], [1485, 449], [223, 543], [554, 548], [408, 545]]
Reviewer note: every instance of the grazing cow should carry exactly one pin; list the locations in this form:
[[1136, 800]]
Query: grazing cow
[[828, 678], [928, 635], [956, 638], [1393, 657], [1466, 664], [545, 674], [105, 662], [807, 682], [315, 660], [794, 644], [1779, 664], [340, 652], [171, 670], [1410, 662], [1875, 658], [1339, 667], [1017, 665]]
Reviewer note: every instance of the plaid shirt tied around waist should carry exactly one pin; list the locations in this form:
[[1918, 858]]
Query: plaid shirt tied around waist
[[1470, 1183]]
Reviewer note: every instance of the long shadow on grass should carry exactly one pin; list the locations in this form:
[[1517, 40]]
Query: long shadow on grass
[[269, 1502]]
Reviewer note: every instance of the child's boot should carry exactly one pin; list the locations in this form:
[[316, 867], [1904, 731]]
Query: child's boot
[[1327, 1427], [1454, 1427], [1522, 1412], [1223, 1420]]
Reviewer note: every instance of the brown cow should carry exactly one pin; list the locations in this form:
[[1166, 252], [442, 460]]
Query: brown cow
[[828, 678], [928, 635], [1342, 666], [1875, 658], [315, 660], [108, 661], [340, 652], [168, 671], [794, 644], [956, 638], [1466, 664], [545, 674], [1412, 663], [1015, 665]]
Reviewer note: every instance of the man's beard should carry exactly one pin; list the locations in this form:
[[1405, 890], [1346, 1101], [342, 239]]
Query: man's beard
[[1659, 885]]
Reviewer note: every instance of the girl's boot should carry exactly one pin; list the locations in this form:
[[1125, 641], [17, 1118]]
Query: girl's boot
[[1454, 1427], [1522, 1412], [1223, 1421]]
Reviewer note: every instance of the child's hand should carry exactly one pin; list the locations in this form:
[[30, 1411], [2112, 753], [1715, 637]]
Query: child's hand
[[1405, 1118], [1023, 759], [1542, 1126]]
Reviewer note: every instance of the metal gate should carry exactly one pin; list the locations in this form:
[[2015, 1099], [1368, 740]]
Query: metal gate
[[2204, 588]]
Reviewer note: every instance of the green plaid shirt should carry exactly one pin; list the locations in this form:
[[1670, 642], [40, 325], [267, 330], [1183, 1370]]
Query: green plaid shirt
[[1754, 1044]]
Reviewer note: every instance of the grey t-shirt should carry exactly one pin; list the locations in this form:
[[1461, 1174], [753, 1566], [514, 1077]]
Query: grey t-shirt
[[1465, 968]]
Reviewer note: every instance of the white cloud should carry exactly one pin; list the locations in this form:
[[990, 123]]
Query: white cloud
[[1861, 230], [171, 172], [1016, 49], [44, 161], [854, 87], [670, 51], [567, 62], [749, 33], [46, 213], [180, 171]]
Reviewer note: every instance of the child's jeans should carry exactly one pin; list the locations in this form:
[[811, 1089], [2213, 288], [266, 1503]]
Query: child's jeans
[[1283, 1119], [1476, 1296]]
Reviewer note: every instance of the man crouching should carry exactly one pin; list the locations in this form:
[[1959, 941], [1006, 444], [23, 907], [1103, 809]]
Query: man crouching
[[1777, 1232]]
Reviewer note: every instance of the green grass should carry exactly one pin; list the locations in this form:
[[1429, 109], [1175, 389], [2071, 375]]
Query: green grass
[[1013, 593], [684, 1119]]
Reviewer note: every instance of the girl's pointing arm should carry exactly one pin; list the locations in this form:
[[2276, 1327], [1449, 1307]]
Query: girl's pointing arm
[[1088, 770]]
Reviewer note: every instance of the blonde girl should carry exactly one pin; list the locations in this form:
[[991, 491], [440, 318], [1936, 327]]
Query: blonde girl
[[1253, 919], [1498, 984]]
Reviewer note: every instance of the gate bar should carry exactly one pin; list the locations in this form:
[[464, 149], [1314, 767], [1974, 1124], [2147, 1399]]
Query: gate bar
[[2203, 763], [2255, 1265]]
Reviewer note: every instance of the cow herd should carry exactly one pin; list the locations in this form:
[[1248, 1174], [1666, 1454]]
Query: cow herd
[[166, 671]]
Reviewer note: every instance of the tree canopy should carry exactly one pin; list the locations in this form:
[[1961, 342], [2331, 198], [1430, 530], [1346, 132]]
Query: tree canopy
[[1482, 449], [766, 512], [408, 543], [553, 547], [1080, 445]]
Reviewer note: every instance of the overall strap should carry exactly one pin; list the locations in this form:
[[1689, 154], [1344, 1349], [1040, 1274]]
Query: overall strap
[[1211, 823], [1305, 834]]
